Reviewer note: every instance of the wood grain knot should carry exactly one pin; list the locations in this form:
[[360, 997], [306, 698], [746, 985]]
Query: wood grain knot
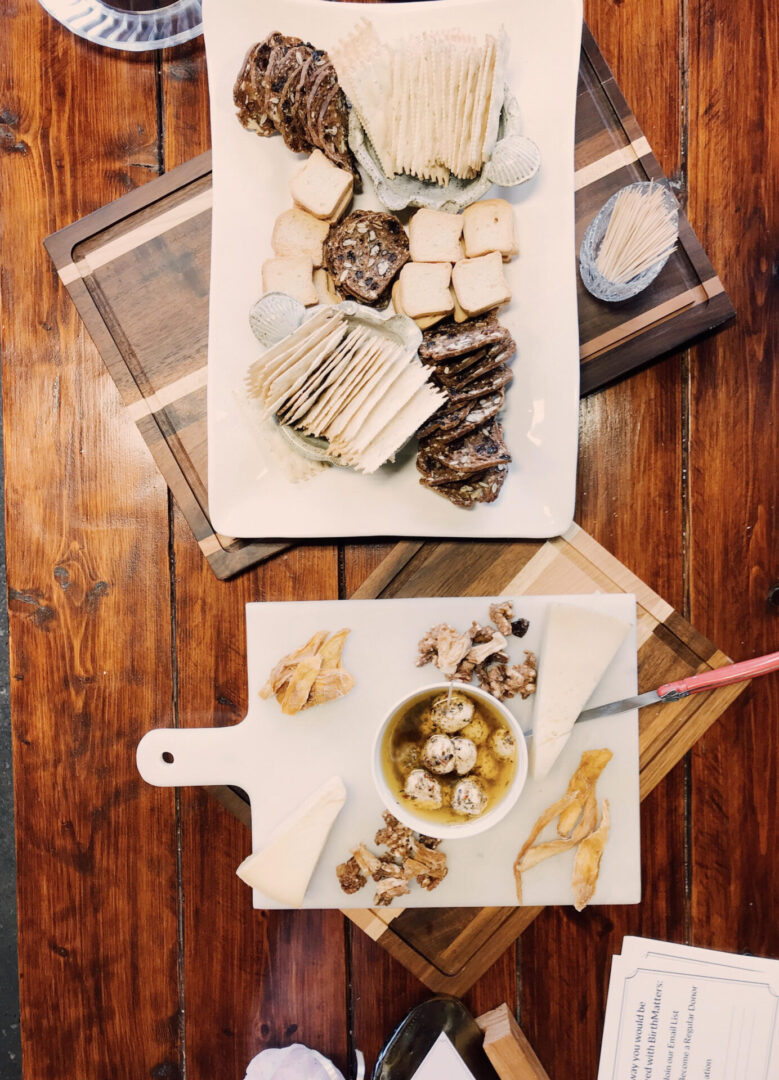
[[40, 614], [9, 142]]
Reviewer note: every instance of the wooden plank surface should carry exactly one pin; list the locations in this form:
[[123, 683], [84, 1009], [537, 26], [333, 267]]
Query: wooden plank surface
[[733, 420], [88, 587], [675, 479]]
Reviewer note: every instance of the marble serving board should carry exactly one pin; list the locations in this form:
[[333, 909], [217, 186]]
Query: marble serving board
[[279, 760]]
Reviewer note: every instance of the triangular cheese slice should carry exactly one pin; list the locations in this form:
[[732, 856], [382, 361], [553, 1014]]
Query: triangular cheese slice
[[578, 645], [282, 869]]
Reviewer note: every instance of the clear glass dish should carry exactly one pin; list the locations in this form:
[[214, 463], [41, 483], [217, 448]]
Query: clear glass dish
[[595, 283], [134, 25]]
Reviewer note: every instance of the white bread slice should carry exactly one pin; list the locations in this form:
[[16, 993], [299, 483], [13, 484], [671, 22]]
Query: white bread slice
[[322, 188], [434, 236], [325, 289], [479, 284], [296, 232], [459, 315], [291, 274], [489, 226], [424, 289]]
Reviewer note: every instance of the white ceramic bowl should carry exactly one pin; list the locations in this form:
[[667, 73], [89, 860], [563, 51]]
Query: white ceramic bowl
[[404, 811]]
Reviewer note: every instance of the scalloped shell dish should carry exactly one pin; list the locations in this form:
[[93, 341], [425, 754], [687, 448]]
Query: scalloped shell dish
[[277, 315], [515, 159]]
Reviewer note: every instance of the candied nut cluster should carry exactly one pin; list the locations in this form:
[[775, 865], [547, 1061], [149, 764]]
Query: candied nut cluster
[[350, 876], [501, 614], [506, 682], [480, 653], [409, 856]]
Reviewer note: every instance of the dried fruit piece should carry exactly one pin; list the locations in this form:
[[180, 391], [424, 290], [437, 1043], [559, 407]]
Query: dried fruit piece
[[586, 866], [329, 685], [295, 695], [578, 815], [311, 675], [582, 786], [282, 672]]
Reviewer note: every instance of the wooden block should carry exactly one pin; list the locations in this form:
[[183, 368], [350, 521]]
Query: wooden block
[[512, 1056]]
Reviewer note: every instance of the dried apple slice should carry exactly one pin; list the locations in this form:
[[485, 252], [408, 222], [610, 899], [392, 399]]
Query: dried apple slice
[[329, 685], [332, 649], [582, 783], [294, 697], [282, 672], [586, 866]]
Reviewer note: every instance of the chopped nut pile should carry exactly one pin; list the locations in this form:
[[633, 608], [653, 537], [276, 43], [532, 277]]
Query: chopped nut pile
[[410, 855], [480, 653]]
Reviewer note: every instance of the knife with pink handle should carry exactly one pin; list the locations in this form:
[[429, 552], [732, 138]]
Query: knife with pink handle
[[674, 691]]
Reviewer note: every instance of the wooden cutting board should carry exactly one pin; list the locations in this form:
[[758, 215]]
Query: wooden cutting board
[[448, 949], [138, 272]]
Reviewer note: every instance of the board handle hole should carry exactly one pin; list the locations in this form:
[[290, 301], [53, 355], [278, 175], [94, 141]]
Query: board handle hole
[[167, 757]]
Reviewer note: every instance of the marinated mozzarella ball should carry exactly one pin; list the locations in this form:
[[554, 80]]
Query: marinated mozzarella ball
[[464, 755], [438, 754], [477, 731], [469, 797], [486, 763], [503, 744], [450, 714], [423, 789]]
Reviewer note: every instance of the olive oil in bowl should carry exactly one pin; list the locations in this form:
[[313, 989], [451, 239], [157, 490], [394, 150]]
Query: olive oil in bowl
[[449, 758]]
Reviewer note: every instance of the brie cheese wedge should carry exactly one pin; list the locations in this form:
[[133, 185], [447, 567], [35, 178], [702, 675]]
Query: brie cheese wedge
[[282, 869], [577, 647]]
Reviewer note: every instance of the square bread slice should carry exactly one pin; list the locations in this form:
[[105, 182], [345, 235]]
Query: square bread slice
[[489, 226], [479, 284], [291, 274], [434, 236], [322, 188], [296, 232], [424, 289]]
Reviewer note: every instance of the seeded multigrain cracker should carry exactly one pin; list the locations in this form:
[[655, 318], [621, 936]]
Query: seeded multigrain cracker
[[364, 253]]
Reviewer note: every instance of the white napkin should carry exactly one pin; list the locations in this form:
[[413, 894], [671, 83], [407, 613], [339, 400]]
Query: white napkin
[[296, 1062]]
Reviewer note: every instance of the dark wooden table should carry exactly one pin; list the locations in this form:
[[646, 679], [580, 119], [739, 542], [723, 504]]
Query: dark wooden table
[[139, 952]]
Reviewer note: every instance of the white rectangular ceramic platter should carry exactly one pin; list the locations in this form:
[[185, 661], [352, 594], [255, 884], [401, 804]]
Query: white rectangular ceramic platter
[[279, 760], [250, 495]]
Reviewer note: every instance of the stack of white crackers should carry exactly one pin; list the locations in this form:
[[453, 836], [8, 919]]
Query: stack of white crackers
[[348, 383], [430, 103]]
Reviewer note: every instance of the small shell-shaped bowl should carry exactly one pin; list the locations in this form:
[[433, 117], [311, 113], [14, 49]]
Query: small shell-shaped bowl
[[594, 282], [515, 159], [274, 317], [515, 162], [398, 328]]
